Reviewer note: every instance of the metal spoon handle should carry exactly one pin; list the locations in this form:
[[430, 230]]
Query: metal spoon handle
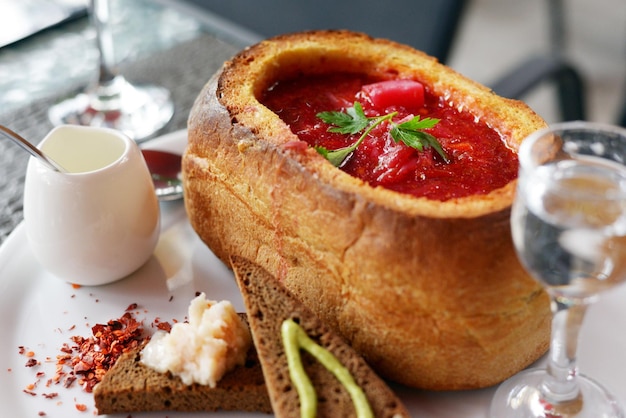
[[30, 148]]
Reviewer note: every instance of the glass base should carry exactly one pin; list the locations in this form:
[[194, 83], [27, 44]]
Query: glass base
[[138, 111], [521, 397]]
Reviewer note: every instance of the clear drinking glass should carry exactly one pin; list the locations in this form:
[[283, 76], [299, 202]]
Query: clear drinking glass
[[112, 102], [569, 228]]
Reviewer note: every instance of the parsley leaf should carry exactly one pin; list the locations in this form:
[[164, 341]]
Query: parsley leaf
[[417, 123], [354, 120], [410, 134], [350, 122], [338, 156]]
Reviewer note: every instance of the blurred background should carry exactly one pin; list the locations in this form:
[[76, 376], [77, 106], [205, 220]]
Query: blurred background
[[487, 40], [496, 35]]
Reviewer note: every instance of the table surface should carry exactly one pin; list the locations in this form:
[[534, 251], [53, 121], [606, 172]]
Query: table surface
[[156, 42]]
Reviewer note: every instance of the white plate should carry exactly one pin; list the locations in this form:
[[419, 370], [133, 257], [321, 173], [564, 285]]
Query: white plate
[[38, 310]]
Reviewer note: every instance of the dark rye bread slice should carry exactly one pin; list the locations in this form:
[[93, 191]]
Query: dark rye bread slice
[[129, 386], [268, 304]]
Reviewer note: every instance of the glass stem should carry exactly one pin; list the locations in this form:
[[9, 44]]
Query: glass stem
[[107, 93], [104, 40], [561, 386]]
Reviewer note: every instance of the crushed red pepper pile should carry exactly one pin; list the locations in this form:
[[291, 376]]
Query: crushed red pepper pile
[[87, 360], [93, 356]]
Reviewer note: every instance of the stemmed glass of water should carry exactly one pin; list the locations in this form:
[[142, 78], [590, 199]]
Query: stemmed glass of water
[[569, 228], [112, 101]]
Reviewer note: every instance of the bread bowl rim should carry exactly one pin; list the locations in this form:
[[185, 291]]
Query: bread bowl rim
[[275, 55]]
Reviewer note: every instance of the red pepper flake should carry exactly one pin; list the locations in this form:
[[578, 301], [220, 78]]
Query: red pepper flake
[[87, 359], [131, 307], [42, 414], [31, 362], [76, 286], [67, 383], [81, 407], [164, 326], [92, 357]]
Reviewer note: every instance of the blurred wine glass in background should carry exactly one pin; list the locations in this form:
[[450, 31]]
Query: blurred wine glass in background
[[139, 111]]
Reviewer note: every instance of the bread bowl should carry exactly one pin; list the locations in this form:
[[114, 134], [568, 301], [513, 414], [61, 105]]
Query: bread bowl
[[429, 291]]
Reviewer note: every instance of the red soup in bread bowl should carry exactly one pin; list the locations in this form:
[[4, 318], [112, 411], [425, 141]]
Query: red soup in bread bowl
[[376, 184]]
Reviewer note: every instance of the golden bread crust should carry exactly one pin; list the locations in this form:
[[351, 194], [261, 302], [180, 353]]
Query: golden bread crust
[[431, 293]]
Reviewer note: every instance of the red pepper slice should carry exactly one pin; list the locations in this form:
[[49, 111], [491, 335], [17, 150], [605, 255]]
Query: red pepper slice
[[406, 93]]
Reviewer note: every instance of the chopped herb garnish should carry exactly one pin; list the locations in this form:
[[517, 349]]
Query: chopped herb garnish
[[354, 120]]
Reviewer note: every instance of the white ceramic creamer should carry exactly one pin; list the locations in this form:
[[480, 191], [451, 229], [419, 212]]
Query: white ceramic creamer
[[99, 222]]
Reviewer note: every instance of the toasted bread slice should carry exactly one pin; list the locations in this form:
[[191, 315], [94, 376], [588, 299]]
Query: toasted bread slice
[[269, 304], [130, 386]]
